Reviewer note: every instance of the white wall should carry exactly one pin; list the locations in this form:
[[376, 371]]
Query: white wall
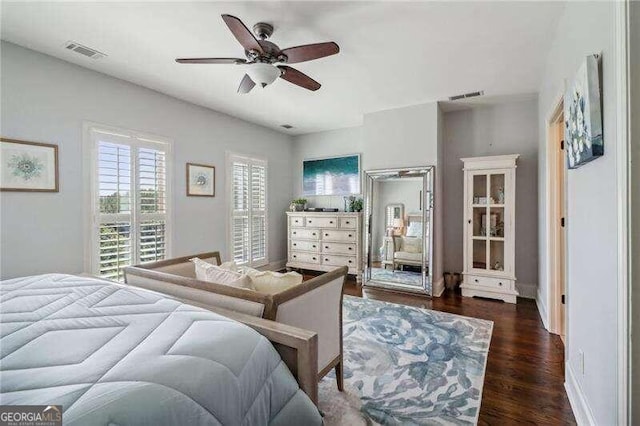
[[584, 29], [47, 100], [506, 128], [402, 137]]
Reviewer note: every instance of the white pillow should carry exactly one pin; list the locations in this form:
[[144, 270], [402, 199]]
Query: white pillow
[[230, 266], [271, 282], [215, 274], [415, 229]]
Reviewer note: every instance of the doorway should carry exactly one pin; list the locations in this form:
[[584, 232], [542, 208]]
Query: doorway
[[558, 223]]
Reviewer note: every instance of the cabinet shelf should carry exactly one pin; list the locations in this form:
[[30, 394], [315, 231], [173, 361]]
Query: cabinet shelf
[[489, 259]]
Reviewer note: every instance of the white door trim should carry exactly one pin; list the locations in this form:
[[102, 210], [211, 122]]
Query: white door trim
[[553, 304], [623, 143]]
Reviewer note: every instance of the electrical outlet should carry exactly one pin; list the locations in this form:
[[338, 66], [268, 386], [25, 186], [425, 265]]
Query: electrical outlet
[[581, 361]]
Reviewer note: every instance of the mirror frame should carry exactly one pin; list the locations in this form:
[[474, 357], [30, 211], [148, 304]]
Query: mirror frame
[[371, 176]]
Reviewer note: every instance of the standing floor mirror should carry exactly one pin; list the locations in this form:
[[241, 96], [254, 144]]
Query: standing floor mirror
[[398, 229]]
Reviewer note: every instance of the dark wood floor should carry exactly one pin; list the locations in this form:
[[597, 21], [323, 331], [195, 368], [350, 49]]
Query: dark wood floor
[[524, 383]]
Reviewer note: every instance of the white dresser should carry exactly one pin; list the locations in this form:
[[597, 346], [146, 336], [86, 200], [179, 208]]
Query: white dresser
[[323, 241], [489, 223]]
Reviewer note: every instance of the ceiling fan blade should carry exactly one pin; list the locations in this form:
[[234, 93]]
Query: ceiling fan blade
[[242, 33], [211, 61], [294, 76], [310, 51], [246, 84]]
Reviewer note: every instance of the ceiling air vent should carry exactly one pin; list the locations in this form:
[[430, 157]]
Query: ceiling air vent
[[466, 95], [287, 126], [84, 50]]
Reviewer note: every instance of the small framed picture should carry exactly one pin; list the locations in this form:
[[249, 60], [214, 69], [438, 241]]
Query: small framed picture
[[28, 166], [201, 180]]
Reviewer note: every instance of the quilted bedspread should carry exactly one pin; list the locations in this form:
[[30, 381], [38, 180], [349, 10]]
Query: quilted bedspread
[[112, 354]]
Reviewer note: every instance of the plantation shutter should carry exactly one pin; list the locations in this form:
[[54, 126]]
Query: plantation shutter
[[248, 211], [130, 217]]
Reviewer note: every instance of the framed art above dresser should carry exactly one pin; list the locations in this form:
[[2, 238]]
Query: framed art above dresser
[[320, 241]]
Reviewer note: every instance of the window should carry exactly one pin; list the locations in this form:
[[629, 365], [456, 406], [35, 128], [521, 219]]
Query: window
[[130, 201], [247, 183]]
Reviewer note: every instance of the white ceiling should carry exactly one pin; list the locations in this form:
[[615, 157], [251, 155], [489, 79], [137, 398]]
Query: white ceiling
[[392, 54]]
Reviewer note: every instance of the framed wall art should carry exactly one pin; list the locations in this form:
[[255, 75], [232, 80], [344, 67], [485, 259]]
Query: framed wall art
[[583, 115], [201, 180], [331, 176], [28, 166]]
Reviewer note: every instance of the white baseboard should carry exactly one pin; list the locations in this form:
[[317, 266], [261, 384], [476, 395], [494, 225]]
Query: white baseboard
[[274, 266], [527, 290], [438, 288], [542, 310], [579, 405]]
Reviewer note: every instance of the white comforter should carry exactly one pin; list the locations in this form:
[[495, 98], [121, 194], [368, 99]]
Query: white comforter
[[112, 354]]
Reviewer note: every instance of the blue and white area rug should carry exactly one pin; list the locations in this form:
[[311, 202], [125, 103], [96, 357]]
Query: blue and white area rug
[[407, 366], [404, 277]]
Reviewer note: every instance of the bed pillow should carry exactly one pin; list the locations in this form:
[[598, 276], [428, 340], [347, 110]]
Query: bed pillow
[[215, 274], [271, 282], [230, 266], [414, 229]]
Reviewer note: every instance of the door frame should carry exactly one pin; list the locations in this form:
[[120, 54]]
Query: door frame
[[555, 272]]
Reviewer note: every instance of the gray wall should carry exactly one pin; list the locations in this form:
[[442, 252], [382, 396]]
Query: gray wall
[[634, 49], [401, 137], [47, 100], [508, 128], [592, 214]]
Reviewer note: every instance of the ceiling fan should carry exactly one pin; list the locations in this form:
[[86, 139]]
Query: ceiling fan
[[262, 55]]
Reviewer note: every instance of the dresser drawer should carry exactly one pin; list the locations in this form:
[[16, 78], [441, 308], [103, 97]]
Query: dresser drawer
[[322, 222], [348, 222], [333, 260], [495, 283], [297, 256], [313, 246], [296, 221], [339, 235], [307, 234], [338, 248]]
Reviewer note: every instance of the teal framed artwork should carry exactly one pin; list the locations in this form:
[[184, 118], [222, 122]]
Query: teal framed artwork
[[331, 176]]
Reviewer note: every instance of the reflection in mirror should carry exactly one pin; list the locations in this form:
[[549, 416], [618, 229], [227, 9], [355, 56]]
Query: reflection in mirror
[[398, 223]]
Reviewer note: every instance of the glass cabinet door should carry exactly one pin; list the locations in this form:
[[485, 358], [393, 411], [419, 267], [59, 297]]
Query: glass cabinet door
[[487, 220]]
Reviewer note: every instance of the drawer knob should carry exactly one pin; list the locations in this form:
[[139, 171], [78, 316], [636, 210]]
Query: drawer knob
[[350, 262], [295, 244], [309, 221], [347, 222], [294, 256], [313, 246], [326, 235], [350, 248], [313, 258], [314, 234], [476, 280], [500, 283], [294, 232], [330, 221], [350, 235], [326, 260], [326, 247]]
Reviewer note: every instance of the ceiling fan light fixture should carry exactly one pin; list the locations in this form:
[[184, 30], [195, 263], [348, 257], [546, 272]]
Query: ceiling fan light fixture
[[263, 74]]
